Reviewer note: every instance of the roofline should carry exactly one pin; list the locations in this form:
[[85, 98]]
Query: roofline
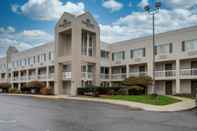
[[185, 29]]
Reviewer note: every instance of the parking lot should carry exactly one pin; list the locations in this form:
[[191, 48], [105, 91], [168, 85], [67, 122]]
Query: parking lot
[[33, 114]]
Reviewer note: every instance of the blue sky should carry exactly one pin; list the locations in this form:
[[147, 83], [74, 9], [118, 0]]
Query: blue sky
[[29, 23]]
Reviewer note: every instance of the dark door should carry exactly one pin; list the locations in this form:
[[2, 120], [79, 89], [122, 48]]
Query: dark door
[[168, 87], [142, 70], [194, 68], [193, 88], [168, 67]]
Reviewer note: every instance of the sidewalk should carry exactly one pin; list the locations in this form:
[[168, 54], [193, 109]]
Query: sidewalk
[[185, 103]]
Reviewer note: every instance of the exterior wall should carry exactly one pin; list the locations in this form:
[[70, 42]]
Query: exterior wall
[[66, 50], [185, 86]]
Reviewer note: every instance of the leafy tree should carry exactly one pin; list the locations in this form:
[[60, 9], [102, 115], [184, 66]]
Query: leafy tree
[[140, 82]]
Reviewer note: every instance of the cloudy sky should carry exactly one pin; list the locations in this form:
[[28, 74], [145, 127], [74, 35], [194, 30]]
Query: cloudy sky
[[29, 23]]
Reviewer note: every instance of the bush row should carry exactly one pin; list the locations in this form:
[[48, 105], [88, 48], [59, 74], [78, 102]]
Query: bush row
[[97, 90]]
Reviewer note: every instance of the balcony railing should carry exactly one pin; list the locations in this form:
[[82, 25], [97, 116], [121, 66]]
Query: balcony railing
[[104, 76], [165, 73], [120, 76], [137, 74], [42, 76], [15, 78], [188, 72], [67, 75], [32, 77], [23, 78], [87, 75], [51, 76]]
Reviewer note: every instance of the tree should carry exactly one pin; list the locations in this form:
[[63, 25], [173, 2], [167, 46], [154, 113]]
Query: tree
[[140, 82]]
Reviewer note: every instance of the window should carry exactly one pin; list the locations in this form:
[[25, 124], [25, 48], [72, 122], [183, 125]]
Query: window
[[45, 57], [137, 53], [163, 49], [118, 56], [34, 59], [49, 55], [38, 58], [29, 61], [104, 54], [189, 45]]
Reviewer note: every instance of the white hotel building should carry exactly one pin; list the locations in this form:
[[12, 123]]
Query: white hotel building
[[77, 57]]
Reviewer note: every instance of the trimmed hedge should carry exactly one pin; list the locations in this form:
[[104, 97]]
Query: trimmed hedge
[[97, 90]]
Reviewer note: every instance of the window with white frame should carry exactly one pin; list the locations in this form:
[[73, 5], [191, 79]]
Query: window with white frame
[[137, 53], [189, 45], [163, 49], [118, 56]]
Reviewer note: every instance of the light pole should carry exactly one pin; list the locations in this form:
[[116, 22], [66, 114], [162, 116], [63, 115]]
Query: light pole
[[152, 11]]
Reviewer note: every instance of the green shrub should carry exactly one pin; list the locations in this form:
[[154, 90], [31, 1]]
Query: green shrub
[[13, 90], [96, 91]]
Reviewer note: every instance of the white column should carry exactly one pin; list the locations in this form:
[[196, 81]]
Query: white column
[[36, 73], [47, 77], [47, 73], [19, 79], [178, 88], [27, 73]]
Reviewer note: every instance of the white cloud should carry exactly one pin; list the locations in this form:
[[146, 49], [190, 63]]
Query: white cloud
[[34, 33], [5, 43], [113, 5], [47, 9], [8, 29], [22, 40], [139, 24], [180, 3], [143, 3]]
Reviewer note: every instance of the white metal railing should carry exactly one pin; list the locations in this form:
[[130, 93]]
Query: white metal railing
[[23, 78], [32, 77], [87, 75], [51, 75], [120, 76], [67, 75], [104, 76], [42, 76], [137, 74], [165, 73], [188, 72], [15, 78]]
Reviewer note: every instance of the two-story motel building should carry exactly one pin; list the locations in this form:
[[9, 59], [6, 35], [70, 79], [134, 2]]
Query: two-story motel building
[[77, 57]]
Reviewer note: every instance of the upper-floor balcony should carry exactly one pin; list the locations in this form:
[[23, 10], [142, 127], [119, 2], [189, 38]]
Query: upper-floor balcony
[[42, 76], [104, 76], [51, 76], [165, 74], [137, 74], [66, 75], [87, 76], [118, 77], [188, 73]]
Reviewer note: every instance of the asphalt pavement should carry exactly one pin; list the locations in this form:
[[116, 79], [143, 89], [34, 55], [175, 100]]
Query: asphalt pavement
[[19, 113]]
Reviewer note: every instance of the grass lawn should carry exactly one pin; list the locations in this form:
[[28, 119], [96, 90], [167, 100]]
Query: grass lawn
[[160, 100]]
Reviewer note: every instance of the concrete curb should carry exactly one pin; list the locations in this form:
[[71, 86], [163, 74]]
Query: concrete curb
[[185, 104]]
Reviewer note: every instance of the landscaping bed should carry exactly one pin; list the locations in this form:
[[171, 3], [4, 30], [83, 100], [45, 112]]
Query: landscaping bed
[[147, 99]]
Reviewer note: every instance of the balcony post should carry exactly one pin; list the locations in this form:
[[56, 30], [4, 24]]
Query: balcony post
[[178, 77], [36, 74], [127, 70], [27, 77], [19, 75], [47, 73]]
